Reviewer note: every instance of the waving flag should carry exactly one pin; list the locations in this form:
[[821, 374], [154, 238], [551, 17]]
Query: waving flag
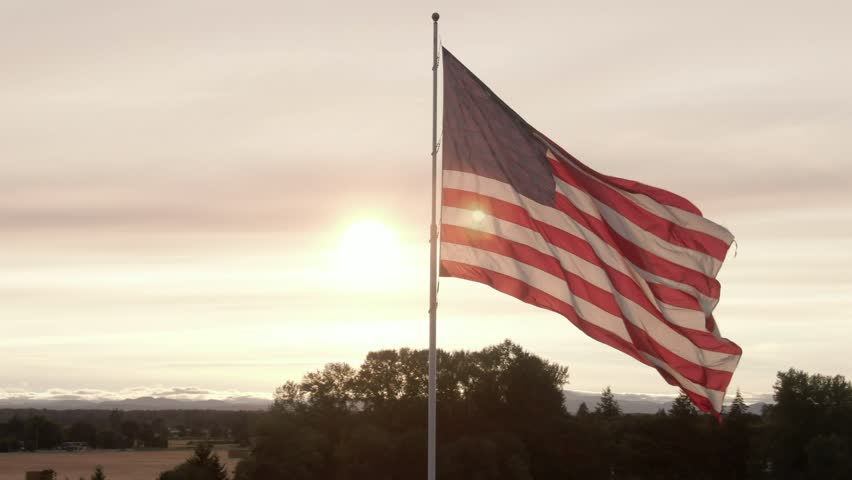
[[630, 265]]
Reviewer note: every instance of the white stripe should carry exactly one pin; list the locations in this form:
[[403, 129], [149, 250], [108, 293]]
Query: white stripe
[[708, 304], [673, 214], [557, 287], [539, 279], [606, 252], [715, 396], [683, 256], [588, 271], [680, 217]]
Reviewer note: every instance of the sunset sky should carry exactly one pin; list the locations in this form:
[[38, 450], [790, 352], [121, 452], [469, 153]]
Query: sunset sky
[[225, 195]]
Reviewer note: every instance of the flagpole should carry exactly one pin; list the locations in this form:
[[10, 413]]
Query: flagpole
[[433, 260]]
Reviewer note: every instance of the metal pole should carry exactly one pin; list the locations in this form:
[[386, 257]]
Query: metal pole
[[433, 260]]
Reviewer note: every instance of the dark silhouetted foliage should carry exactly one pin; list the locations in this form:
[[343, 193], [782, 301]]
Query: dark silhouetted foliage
[[738, 407], [98, 474], [607, 406], [202, 465], [501, 416], [809, 426], [682, 407]]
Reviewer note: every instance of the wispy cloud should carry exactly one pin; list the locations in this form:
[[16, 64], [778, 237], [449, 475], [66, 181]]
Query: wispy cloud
[[153, 391]]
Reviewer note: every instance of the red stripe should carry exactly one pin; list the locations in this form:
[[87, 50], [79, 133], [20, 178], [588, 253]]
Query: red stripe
[[623, 283], [638, 256], [533, 296], [580, 246], [712, 378], [674, 297], [710, 323], [702, 402], [564, 240], [648, 221], [576, 245], [657, 194], [538, 298]]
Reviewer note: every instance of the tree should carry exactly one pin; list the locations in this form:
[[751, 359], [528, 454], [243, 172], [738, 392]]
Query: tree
[[41, 433], [115, 418], [108, 439], [379, 379], [829, 457], [682, 407], [506, 380], [738, 451], [362, 453], [130, 430], [500, 412], [99, 473], [607, 406], [582, 410], [83, 432], [738, 406], [330, 387], [806, 407], [287, 446], [414, 370], [289, 397], [202, 465], [469, 458]]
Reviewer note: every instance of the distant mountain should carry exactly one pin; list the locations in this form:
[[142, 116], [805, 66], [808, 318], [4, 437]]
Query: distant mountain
[[630, 403], [635, 402], [757, 408], [141, 403]]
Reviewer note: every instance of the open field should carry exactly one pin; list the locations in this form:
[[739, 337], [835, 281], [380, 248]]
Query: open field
[[118, 465]]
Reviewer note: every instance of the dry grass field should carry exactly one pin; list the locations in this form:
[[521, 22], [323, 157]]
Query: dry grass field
[[118, 465]]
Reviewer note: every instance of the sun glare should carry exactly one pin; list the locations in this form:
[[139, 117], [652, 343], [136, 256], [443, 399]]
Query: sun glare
[[369, 251]]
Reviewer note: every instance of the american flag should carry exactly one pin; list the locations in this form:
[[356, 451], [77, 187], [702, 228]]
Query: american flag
[[631, 265]]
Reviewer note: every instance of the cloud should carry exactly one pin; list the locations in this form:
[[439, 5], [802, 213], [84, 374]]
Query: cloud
[[155, 391]]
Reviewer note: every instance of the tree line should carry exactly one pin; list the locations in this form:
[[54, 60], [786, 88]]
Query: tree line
[[501, 415], [31, 429]]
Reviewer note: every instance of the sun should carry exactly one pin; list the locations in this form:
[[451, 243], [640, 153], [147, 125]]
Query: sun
[[369, 250]]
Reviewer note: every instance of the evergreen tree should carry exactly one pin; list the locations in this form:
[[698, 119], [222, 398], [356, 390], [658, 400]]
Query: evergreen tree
[[583, 410], [608, 406], [99, 473], [738, 406], [202, 465], [683, 407]]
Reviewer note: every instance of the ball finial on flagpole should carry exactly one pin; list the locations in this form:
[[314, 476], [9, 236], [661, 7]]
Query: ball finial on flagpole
[[435, 16]]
